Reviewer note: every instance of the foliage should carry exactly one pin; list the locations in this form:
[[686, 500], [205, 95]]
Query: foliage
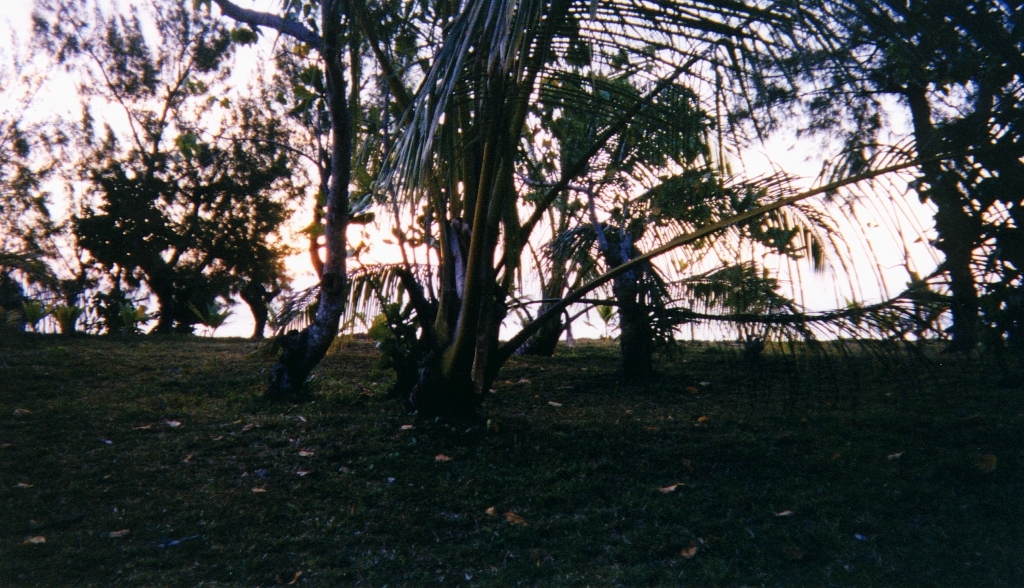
[[187, 199], [131, 317], [34, 311], [67, 316]]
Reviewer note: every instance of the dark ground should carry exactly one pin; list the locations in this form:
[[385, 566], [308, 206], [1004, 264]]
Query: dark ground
[[156, 463]]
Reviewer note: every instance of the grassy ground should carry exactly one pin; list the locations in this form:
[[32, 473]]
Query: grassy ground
[[156, 463]]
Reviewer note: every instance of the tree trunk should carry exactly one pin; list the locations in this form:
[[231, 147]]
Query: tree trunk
[[543, 343], [256, 297], [301, 352], [956, 239], [636, 347]]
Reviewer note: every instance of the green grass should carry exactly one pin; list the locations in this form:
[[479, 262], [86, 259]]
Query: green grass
[[97, 454]]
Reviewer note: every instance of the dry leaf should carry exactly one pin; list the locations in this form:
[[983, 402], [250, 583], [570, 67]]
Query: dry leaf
[[286, 579], [306, 453], [303, 473], [217, 438], [173, 424], [35, 540], [895, 456], [121, 533], [442, 457], [987, 463], [24, 485], [515, 519], [491, 511], [555, 404], [144, 428], [669, 488], [523, 381], [785, 513], [22, 411], [689, 552], [703, 419], [248, 427], [692, 389], [406, 427], [300, 417], [259, 490], [188, 458]]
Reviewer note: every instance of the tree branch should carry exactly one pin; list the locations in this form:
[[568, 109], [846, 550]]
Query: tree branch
[[262, 19]]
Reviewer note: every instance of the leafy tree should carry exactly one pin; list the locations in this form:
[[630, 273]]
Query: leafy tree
[[957, 69], [185, 196]]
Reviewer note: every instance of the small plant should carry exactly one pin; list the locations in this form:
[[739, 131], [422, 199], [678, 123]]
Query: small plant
[[214, 317], [33, 311], [66, 315], [9, 320], [131, 317], [608, 315]]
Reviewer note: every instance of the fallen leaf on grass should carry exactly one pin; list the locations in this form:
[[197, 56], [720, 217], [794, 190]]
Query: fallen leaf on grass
[[144, 428], [703, 419], [35, 540], [785, 513], [286, 579], [217, 438], [692, 389], [304, 473], [248, 427], [491, 511], [895, 456], [301, 418], [22, 411], [406, 427], [555, 404], [523, 381], [515, 519], [188, 458], [987, 463], [669, 488], [121, 533], [173, 424], [689, 552], [259, 490], [440, 457], [24, 485], [306, 453]]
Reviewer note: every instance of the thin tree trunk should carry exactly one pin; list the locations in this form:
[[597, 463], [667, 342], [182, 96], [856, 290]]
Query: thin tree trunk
[[302, 351]]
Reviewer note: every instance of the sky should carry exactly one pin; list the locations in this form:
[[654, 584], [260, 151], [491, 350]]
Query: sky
[[882, 236]]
